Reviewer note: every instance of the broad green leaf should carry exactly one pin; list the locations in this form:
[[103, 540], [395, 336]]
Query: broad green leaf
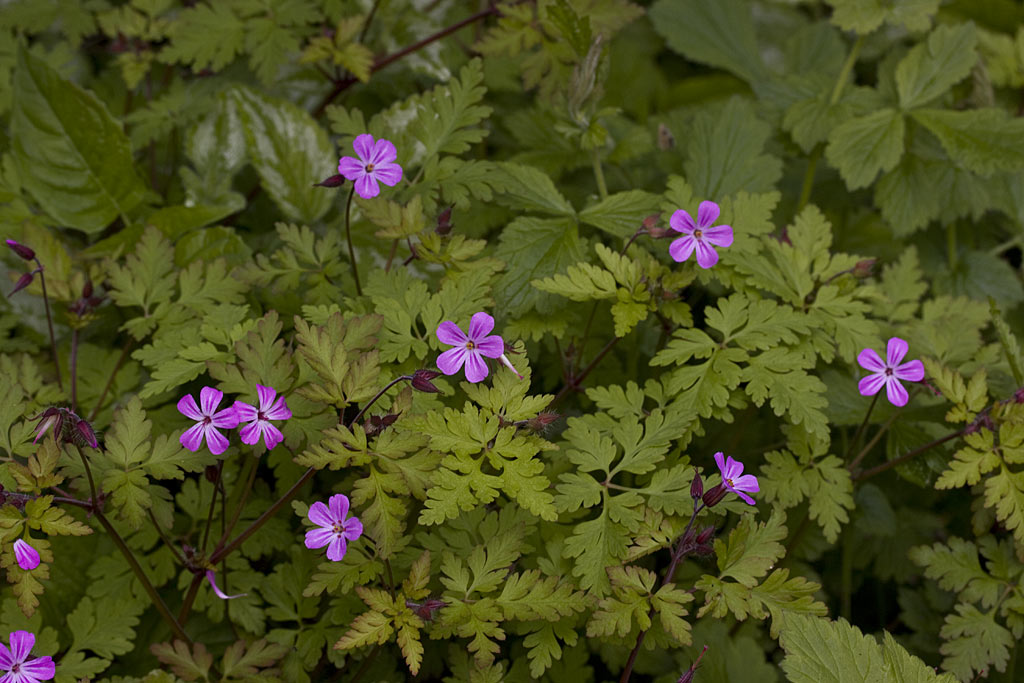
[[933, 67], [529, 189], [862, 147], [620, 214], [290, 151], [73, 157], [982, 140], [864, 16], [534, 248]]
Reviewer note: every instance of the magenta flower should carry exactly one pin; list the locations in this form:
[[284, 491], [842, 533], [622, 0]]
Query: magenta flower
[[375, 162], [469, 349], [217, 591], [15, 665], [208, 421], [334, 530], [731, 479], [26, 555], [890, 372], [259, 419], [699, 236]]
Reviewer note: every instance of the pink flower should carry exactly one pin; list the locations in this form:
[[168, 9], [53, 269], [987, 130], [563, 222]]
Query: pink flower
[[208, 421], [259, 419], [469, 349], [890, 372], [15, 665], [731, 479], [375, 162], [334, 530], [700, 235], [26, 555], [219, 593]]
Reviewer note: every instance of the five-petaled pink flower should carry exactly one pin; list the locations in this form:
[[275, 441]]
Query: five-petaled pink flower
[[26, 555], [376, 162], [208, 421], [731, 470], [890, 372], [259, 418], [334, 530], [469, 348], [699, 236], [15, 664]]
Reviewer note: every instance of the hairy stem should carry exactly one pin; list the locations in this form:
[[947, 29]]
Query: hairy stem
[[49, 324], [860, 430], [163, 537], [376, 396], [240, 496], [578, 379], [213, 502], [874, 440], [595, 160], [348, 240], [866, 474]]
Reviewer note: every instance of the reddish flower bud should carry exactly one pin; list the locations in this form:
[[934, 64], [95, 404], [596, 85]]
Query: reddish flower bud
[[705, 535], [336, 180], [51, 417], [687, 676], [714, 496], [651, 220], [427, 608], [542, 421], [23, 282], [696, 486], [444, 222], [421, 380], [378, 423], [658, 233], [87, 289], [863, 268], [21, 250], [85, 432]]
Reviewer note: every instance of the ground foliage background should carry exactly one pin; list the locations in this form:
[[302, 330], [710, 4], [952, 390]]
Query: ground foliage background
[[166, 152]]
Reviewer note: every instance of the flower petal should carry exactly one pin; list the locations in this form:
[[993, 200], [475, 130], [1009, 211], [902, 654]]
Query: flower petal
[[192, 438], [336, 550], [351, 168], [895, 350], [220, 594], [389, 174], [318, 538], [226, 419], [706, 255], [278, 411], [733, 468], [450, 333], [870, 385], [22, 643], [40, 668], [451, 360], [748, 482], [476, 368], [6, 662], [215, 441], [912, 371], [250, 433], [720, 461], [480, 325], [367, 187], [26, 555], [383, 153], [363, 145], [245, 412], [320, 515], [209, 399], [266, 397], [895, 392], [353, 529], [681, 221], [492, 347], [719, 235], [744, 497], [339, 506], [869, 360], [187, 407], [707, 214], [681, 248], [271, 435]]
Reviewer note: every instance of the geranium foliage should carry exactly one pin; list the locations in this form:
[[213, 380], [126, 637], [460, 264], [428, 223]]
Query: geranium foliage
[[511, 341]]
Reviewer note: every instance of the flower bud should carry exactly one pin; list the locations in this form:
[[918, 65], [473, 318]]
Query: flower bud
[[87, 289], [658, 232], [444, 222], [21, 250], [85, 432], [23, 282], [696, 486], [421, 380], [541, 421], [51, 417], [651, 220], [863, 268], [714, 496], [427, 608], [705, 535], [336, 180]]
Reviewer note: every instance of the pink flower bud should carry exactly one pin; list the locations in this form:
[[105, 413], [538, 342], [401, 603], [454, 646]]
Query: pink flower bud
[[21, 250], [863, 268], [23, 282], [28, 558], [84, 430]]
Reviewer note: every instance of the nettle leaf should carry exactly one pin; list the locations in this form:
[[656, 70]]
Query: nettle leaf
[[622, 213], [864, 16], [863, 146], [529, 189], [982, 140], [289, 150], [72, 155], [534, 248], [933, 67], [825, 651]]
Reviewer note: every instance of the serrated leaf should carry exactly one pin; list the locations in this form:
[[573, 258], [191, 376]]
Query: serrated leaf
[[73, 157], [982, 140], [864, 16], [934, 66], [863, 146], [622, 213]]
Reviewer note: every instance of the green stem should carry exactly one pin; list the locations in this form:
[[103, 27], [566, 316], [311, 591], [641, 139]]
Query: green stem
[[812, 167], [595, 158], [348, 239]]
